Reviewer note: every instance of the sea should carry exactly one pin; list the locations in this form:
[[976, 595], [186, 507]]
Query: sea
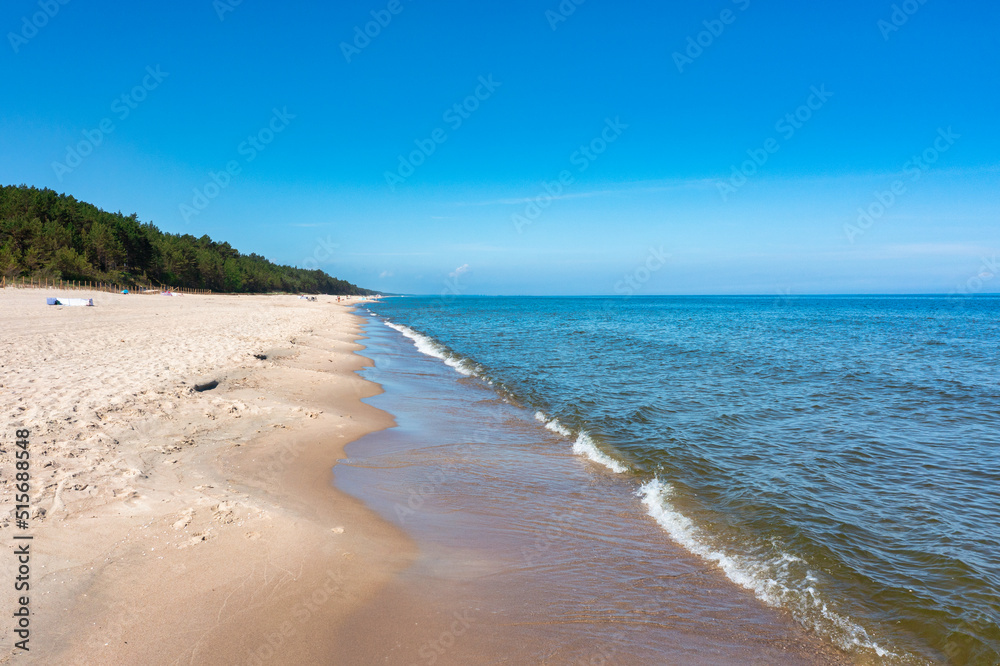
[[834, 458]]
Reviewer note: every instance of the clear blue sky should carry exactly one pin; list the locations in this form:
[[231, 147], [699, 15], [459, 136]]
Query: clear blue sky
[[682, 116]]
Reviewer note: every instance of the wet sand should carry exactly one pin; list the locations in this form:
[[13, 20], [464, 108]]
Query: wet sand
[[528, 553]]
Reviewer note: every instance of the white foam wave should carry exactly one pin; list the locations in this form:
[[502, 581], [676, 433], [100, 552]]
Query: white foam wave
[[553, 424], [760, 577], [426, 345], [585, 446]]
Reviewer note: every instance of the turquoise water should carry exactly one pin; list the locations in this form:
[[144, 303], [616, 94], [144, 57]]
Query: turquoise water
[[837, 456]]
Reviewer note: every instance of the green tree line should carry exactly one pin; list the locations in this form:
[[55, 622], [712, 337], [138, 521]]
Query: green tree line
[[45, 234]]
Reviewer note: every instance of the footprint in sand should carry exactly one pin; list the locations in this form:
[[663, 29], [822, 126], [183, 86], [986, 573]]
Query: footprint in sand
[[197, 538], [223, 512], [185, 519]]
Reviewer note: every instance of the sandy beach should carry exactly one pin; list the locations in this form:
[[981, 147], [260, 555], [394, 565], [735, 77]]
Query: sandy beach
[[172, 525]]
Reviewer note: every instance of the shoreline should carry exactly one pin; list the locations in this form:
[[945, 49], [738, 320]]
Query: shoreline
[[529, 551], [715, 462], [172, 525]]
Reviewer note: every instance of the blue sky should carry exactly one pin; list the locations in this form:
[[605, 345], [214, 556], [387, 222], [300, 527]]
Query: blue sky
[[737, 138]]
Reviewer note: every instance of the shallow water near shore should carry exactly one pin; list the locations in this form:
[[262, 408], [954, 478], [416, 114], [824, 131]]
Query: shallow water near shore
[[529, 552], [835, 457]]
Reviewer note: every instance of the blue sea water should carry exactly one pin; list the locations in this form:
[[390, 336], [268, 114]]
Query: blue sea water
[[837, 456]]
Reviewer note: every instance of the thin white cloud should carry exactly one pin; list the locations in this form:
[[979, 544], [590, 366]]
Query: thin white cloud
[[698, 184], [455, 274], [653, 187], [385, 274], [939, 249], [388, 254]]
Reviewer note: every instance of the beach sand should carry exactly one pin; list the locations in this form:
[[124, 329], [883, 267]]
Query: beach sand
[[176, 526], [173, 525]]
